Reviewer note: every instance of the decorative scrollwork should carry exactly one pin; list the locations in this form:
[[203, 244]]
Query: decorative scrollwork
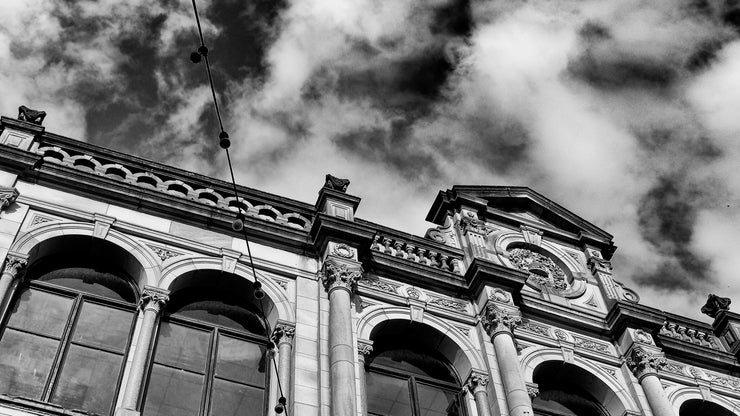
[[642, 362], [542, 270], [498, 320], [340, 275]]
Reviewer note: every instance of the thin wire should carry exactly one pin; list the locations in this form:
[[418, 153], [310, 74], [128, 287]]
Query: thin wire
[[236, 195]]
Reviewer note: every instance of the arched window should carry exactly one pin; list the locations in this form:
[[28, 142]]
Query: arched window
[[407, 376], [697, 407], [210, 357], [566, 390], [66, 336]]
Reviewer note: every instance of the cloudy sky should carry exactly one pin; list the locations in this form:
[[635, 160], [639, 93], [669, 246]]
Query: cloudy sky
[[626, 112]]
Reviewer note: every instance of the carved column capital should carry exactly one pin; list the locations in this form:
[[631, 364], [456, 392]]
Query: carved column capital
[[533, 390], [364, 348], [340, 275], [642, 362], [497, 320], [15, 265], [284, 332], [477, 381], [7, 197], [154, 299]]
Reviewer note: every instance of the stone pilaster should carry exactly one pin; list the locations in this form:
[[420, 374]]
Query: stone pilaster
[[339, 276], [283, 336], [644, 362], [477, 385], [364, 349], [499, 322], [151, 303]]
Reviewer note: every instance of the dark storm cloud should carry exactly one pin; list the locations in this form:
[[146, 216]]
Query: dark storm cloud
[[667, 219]]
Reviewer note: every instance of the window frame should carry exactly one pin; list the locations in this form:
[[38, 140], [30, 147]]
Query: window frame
[[210, 365], [413, 379], [79, 299]]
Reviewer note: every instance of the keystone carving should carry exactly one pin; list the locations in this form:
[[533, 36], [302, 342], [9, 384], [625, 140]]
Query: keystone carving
[[340, 275], [714, 305], [7, 197], [154, 299], [642, 362], [499, 320], [31, 116], [15, 266], [337, 184]]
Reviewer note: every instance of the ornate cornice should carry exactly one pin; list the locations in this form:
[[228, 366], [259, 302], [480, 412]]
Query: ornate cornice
[[477, 381], [339, 274], [154, 299], [7, 197], [284, 332], [497, 320], [15, 265], [642, 362]]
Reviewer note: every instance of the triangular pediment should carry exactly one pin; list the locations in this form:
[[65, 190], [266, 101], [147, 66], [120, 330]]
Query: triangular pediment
[[518, 205]]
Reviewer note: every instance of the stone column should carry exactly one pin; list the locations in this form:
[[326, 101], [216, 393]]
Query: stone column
[[283, 336], [644, 365], [364, 348], [340, 278], [15, 267], [499, 323], [152, 304], [476, 385]]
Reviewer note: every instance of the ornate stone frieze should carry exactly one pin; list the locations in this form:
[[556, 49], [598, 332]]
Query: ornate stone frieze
[[283, 332], [163, 253], [674, 368], [477, 380], [337, 274], [378, 284], [15, 266], [542, 269], [7, 197], [402, 249], [535, 328], [447, 304], [714, 305], [154, 299], [498, 320], [590, 345], [692, 335], [412, 293], [643, 362]]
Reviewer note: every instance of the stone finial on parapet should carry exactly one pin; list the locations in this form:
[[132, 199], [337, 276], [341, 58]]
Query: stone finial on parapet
[[31, 116], [714, 305], [337, 184]]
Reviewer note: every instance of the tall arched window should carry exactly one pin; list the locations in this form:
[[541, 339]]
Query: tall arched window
[[66, 336], [696, 407], [566, 390], [210, 357], [407, 376]]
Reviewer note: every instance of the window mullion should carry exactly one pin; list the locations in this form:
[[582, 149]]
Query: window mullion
[[210, 371], [62, 349], [414, 397]]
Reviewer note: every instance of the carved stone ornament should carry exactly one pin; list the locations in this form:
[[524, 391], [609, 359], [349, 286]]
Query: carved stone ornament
[[343, 250], [154, 299], [542, 270], [470, 223], [533, 390], [642, 362], [499, 320], [364, 348], [283, 332], [15, 266], [714, 305], [413, 293], [477, 380], [340, 275], [7, 197], [31, 116], [337, 184]]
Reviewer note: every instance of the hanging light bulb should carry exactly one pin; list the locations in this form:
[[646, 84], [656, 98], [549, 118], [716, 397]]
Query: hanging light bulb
[[223, 140], [195, 57], [237, 224], [258, 292], [203, 50]]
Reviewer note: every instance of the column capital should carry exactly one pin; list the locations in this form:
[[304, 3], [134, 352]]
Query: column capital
[[643, 362], [497, 320], [284, 332], [7, 197], [533, 390], [477, 381], [364, 348], [338, 274], [15, 265], [154, 299]]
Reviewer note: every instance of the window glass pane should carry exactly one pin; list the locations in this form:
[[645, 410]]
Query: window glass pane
[[182, 347], [88, 380], [415, 360], [41, 312], [24, 363], [241, 361], [103, 326], [89, 280], [173, 392], [232, 399], [387, 396], [437, 402]]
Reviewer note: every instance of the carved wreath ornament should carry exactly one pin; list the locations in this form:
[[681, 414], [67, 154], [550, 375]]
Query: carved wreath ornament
[[542, 270]]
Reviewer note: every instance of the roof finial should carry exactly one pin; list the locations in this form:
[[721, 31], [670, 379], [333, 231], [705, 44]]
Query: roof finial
[[31, 116], [337, 184]]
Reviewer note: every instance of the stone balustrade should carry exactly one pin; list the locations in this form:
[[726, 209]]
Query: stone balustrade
[[414, 252], [691, 333]]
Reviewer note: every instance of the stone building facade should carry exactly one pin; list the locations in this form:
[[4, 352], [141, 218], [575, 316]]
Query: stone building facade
[[126, 290]]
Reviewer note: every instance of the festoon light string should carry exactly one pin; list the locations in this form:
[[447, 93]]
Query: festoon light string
[[201, 54]]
